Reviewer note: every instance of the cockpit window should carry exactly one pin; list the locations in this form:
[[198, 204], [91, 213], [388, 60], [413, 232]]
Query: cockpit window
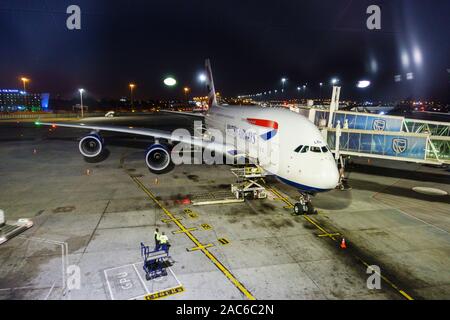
[[302, 149]]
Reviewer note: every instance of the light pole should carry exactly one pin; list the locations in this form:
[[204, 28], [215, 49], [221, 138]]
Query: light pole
[[186, 91], [81, 102], [320, 93], [131, 94], [283, 81], [25, 80]]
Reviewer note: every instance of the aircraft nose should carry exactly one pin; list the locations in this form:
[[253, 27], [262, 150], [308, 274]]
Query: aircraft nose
[[329, 176]]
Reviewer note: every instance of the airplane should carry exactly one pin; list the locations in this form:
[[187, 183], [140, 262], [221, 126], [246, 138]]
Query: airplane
[[289, 146]]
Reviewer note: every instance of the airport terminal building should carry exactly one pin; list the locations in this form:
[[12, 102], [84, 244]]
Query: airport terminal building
[[12, 100]]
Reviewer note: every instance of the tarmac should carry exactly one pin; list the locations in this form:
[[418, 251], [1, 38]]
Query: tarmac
[[90, 218]]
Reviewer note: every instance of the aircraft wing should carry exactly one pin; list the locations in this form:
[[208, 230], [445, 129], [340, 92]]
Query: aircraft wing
[[191, 114], [222, 148]]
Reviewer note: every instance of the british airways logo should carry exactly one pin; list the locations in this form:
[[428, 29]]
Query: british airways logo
[[266, 124]]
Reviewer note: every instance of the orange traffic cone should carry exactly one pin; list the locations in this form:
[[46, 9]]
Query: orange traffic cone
[[343, 244]]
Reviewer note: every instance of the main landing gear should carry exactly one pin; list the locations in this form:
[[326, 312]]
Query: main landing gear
[[304, 206]]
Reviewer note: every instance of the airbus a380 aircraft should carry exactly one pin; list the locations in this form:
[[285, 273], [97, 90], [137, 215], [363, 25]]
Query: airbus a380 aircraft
[[281, 142]]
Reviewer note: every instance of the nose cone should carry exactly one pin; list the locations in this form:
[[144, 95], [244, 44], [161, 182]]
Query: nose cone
[[329, 176]]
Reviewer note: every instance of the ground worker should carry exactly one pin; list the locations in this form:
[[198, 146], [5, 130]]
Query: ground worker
[[157, 239], [164, 241]]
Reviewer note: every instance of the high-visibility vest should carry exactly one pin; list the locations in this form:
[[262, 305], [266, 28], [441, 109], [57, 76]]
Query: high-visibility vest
[[163, 239], [157, 236]]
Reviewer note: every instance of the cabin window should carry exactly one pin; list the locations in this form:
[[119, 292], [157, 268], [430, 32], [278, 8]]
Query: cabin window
[[325, 149], [315, 149]]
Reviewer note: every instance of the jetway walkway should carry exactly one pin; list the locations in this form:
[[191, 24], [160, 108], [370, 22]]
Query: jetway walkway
[[385, 137]]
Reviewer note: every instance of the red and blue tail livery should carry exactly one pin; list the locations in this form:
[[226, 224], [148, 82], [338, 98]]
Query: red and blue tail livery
[[266, 124]]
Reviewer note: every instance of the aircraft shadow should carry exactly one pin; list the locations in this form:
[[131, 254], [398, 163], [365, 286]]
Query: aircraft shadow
[[400, 173], [396, 191]]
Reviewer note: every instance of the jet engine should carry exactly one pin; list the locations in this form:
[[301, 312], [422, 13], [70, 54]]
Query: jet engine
[[158, 158], [91, 145]]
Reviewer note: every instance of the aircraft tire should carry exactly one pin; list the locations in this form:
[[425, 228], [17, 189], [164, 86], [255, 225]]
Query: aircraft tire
[[298, 209]]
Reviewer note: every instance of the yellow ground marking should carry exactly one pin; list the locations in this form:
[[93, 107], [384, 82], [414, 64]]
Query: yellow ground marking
[[191, 213], [206, 226], [181, 231], [171, 220], [223, 241], [201, 247], [332, 236], [280, 197], [164, 293], [329, 235], [407, 296]]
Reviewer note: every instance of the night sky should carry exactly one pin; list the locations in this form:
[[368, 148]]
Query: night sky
[[251, 44]]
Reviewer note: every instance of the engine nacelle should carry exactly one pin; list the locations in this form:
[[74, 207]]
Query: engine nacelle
[[158, 158], [91, 146]]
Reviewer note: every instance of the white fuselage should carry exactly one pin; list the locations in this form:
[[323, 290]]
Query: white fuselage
[[275, 136]]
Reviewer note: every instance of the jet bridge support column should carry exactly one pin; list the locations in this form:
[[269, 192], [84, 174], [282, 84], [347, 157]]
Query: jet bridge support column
[[334, 105]]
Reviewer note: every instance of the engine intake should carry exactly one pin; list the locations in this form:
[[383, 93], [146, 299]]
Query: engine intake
[[91, 146], [158, 158]]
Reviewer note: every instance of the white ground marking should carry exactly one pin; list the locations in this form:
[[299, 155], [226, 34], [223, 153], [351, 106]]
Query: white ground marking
[[427, 223], [140, 278], [50, 291], [64, 262]]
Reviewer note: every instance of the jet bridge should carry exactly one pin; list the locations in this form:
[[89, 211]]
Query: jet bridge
[[385, 137]]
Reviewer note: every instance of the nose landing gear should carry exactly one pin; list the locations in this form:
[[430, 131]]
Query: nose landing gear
[[304, 206]]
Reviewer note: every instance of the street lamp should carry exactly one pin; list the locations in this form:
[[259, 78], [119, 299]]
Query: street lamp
[[131, 93], [363, 84], [334, 81], [202, 77], [81, 101], [24, 80], [170, 82], [186, 91]]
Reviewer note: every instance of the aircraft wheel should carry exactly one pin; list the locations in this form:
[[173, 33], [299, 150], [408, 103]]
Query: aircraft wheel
[[298, 209], [311, 209]]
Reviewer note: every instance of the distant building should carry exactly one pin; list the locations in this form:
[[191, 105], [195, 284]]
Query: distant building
[[12, 100]]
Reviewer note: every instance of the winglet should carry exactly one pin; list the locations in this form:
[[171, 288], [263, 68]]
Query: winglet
[[212, 100]]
